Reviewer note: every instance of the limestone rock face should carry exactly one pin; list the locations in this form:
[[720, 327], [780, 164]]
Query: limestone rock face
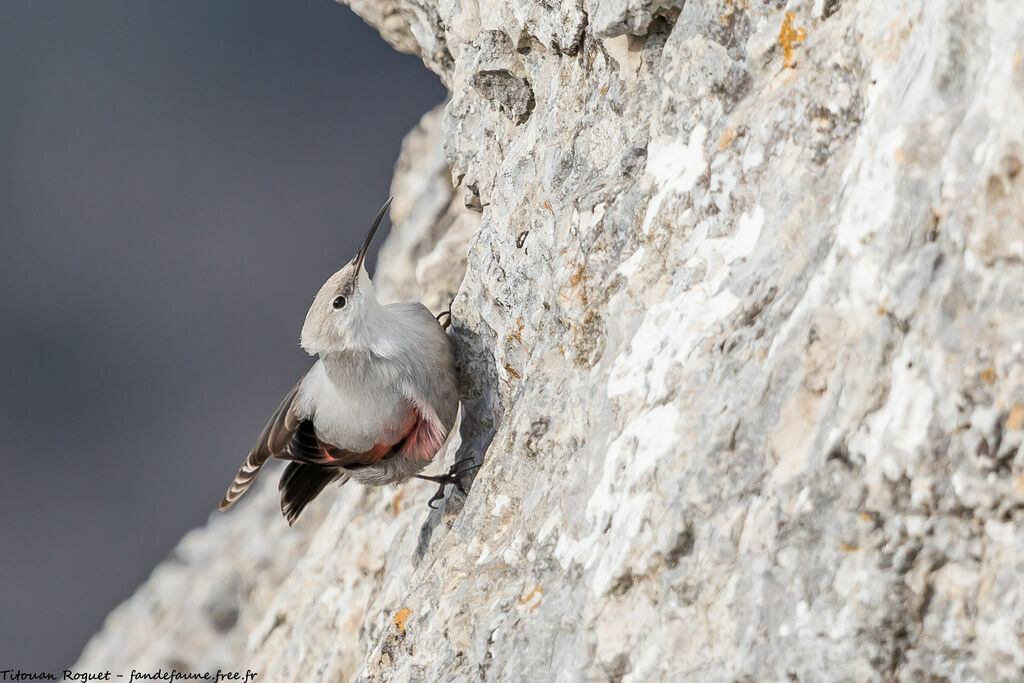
[[741, 336]]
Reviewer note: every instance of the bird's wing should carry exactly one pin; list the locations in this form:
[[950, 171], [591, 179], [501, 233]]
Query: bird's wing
[[301, 483], [274, 439]]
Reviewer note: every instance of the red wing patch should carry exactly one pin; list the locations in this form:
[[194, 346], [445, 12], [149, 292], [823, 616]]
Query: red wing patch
[[422, 441]]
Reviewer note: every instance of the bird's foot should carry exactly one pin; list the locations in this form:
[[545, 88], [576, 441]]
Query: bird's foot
[[446, 314], [452, 478]]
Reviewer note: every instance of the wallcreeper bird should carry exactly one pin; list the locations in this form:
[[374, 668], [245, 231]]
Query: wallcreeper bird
[[375, 407]]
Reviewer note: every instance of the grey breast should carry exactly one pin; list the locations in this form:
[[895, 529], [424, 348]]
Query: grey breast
[[430, 364]]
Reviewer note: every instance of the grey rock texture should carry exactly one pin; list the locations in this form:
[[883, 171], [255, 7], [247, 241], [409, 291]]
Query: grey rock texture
[[741, 348]]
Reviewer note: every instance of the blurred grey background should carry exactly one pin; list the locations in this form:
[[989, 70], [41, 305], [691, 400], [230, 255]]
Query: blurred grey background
[[176, 181]]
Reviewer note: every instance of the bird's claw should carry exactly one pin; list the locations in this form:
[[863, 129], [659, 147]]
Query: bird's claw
[[436, 497], [447, 323], [452, 478]]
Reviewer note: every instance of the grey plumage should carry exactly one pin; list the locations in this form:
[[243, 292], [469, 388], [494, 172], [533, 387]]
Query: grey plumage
[[375, 407]]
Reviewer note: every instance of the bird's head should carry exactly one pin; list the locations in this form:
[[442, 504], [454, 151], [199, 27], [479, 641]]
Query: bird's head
[[339, 318]]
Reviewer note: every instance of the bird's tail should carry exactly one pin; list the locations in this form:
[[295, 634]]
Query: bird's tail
[[300, 484], [243, 480]]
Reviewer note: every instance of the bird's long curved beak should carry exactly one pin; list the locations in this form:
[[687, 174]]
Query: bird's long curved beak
[[369, 238]]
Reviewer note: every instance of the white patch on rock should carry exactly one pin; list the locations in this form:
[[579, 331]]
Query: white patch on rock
[[673, 168]]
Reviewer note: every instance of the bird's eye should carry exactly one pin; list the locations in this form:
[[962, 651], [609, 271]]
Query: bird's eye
[[338, 302]]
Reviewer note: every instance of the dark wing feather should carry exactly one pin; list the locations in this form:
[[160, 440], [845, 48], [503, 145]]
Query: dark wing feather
[[300, 484], [305, 446], [276, 436], [313, 467]]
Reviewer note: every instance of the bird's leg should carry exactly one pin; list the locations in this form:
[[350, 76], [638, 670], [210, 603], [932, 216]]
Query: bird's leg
[[447, 323], [453, 478]]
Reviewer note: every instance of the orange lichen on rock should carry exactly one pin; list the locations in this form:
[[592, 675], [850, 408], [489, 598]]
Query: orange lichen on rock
[[988, 375], [532, 599], [576, 277], [517, 333], [727, 137], [575, 280], [788, 36], [400, 618], [732, 6], [1016, 419]]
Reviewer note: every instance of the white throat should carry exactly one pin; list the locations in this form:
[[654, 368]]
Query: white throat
[[372, 333]]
